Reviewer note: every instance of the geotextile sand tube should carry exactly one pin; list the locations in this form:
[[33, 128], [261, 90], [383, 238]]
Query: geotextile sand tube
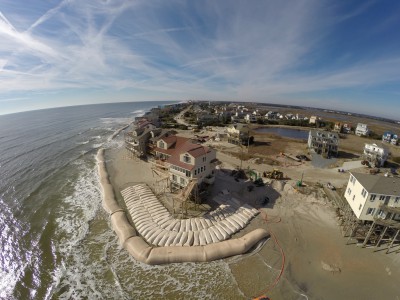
[[110, 204], [121, 226], [141, 251]]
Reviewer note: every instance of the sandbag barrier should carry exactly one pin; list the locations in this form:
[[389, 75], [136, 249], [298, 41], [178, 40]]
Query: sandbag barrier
[[158, 227], [145, 253]]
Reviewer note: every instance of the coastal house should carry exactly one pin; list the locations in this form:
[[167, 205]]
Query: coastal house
[[145, 124], [346, 128], [250, 118], [186, 160], [290, 116], [155, 135], [140, 141], [239, 134], [337, 127], [136, 141], [362, 129], [238, 116], [376, 155], [371, 196], [271, 115], [390, 137], [313, 120], [325, 143]]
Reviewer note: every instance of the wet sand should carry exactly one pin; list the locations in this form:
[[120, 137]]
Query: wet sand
[[318, 263]]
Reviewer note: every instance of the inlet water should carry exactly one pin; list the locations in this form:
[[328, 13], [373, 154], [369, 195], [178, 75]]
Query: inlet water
[[285, 132]]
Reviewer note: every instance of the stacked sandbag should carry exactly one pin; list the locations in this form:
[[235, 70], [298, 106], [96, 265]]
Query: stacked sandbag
[[157, 226]]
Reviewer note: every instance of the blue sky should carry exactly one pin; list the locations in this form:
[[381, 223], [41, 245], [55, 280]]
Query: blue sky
[[330, 54]]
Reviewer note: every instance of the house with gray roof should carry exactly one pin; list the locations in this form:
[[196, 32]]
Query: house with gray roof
[[373, 196], [323, 142]]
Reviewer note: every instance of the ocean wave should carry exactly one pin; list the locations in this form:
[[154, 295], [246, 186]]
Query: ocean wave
[[79, 209], [11, 270], [138, 112], [116, 120], [73, 225]]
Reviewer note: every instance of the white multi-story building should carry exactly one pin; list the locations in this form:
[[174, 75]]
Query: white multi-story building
[[186, 160], [362, 129], [366, 194], [376, 155], [313, 120]]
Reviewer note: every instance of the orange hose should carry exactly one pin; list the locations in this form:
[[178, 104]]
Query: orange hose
[[271, 286]]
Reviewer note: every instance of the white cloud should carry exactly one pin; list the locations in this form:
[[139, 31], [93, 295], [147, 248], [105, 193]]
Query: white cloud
[[209, 49]]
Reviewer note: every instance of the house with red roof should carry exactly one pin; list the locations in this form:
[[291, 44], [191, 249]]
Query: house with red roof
[[186, 159]]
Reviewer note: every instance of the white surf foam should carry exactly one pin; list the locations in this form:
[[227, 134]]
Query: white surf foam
[[116, 120], [79, 209], [138, 112]]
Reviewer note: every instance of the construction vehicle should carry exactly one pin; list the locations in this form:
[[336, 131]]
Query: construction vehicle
[[275, 174]]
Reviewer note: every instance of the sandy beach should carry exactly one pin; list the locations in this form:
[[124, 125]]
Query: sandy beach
[[318, 263]]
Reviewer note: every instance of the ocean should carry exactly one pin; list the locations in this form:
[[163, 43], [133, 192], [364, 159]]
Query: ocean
[[56, 241]]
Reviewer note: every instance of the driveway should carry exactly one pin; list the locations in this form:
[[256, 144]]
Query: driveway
[[319, 162]]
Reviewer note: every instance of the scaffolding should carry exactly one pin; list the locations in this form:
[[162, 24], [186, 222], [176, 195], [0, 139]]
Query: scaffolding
[[182, 200], [163, 183]]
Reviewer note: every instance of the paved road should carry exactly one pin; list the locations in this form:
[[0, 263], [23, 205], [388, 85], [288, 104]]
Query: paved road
[[179, 118]]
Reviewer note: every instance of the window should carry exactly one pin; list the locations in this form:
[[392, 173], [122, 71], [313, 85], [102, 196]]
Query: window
[[183, 181], [204, 158], [162, 145], [352, 179], [174, 178], [195, 172], [360, 207], [372, 198], [187, 173], [381, 197], [186, 158], [387, 199], [364, 193], [397, 200], [201, 169], [370, 211], [349, 191], [204, 168]]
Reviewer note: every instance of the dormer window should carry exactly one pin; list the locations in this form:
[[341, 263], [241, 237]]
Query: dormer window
[[186, 158], [162, 145]]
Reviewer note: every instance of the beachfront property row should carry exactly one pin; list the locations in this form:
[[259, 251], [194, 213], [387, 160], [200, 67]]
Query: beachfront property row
[[372, 196]]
